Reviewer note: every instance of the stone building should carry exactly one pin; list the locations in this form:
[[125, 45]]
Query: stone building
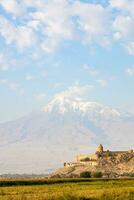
[[92, 159]]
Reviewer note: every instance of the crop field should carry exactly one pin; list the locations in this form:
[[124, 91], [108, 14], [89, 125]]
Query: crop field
[[67, 189]]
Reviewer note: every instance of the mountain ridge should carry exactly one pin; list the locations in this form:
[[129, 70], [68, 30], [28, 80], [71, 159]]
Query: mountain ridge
[[42, 140]]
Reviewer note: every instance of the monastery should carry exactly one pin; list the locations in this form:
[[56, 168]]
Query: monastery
[[92, 159]]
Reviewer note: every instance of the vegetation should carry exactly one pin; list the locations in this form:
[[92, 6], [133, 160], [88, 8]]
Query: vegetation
[[85, 159], [129, 174], [86, 174], [97, 174], [68, 189]]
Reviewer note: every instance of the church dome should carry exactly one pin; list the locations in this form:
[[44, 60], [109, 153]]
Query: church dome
[[100, 148]]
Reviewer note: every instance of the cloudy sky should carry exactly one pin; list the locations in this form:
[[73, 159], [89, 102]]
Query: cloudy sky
[[50, 47]]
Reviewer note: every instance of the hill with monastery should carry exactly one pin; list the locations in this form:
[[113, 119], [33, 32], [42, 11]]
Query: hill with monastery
[[110, 163]]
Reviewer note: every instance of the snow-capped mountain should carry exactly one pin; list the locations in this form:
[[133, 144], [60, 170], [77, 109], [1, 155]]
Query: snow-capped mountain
[[64, 105], [65, 127]]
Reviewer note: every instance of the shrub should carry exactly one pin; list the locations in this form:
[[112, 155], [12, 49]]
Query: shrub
[[85, 174], [97, 174], [85, 159], [131, 175]]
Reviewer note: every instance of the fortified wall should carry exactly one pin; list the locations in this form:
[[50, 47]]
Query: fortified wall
[[92, 159]]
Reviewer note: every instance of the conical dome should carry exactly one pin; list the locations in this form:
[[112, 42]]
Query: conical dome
[[100, 148]]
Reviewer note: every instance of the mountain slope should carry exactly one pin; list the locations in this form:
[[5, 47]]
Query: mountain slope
[[43, 140]]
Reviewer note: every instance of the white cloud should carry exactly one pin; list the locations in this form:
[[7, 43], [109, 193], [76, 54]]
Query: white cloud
[[130, 71], [124, 32], [51, 19], [53, 22], [130, 47], [22, 36], [56, 21], [7, 31], [25, 37], [120, 4], [34, 24], [103, 82], [13, 86], [34, 3], [3, 81], [91, 70], [93, 20], [58, 85], [12, 6], [29, 77], [106, 82], [76, 91], [124, 26], [126, 6], [40, 97], [6, 62]]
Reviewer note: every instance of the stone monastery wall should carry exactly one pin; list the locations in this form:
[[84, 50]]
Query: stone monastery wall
[[92, 159]]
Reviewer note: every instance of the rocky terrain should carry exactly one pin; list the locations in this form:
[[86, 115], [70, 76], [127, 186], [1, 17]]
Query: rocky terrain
[[110, 166]]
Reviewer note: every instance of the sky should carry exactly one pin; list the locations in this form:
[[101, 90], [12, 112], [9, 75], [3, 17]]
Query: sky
[[50, 47]]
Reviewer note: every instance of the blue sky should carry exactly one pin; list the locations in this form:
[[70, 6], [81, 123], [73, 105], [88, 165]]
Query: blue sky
[[47, 47]]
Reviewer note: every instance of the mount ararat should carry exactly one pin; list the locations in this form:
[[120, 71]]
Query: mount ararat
[[41, 141]]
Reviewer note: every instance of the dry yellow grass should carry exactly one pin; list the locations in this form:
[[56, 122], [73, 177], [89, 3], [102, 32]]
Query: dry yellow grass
[[90, 190]]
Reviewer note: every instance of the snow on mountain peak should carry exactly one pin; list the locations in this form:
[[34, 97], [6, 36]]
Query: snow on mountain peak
[[62, 104]]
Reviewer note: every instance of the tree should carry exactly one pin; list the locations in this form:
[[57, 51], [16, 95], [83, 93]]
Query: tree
[[85, 174], [97, 174]]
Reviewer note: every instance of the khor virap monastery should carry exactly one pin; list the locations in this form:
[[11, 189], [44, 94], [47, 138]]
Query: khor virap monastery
[[92, 159]]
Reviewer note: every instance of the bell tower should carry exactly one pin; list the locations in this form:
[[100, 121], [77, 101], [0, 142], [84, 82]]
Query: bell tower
[[100, 148]]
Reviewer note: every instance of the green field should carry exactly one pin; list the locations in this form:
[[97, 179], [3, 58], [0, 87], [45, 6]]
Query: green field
[[67, 189]]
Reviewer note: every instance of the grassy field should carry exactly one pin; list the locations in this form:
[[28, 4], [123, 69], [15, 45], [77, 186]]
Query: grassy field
[[67, 189]]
